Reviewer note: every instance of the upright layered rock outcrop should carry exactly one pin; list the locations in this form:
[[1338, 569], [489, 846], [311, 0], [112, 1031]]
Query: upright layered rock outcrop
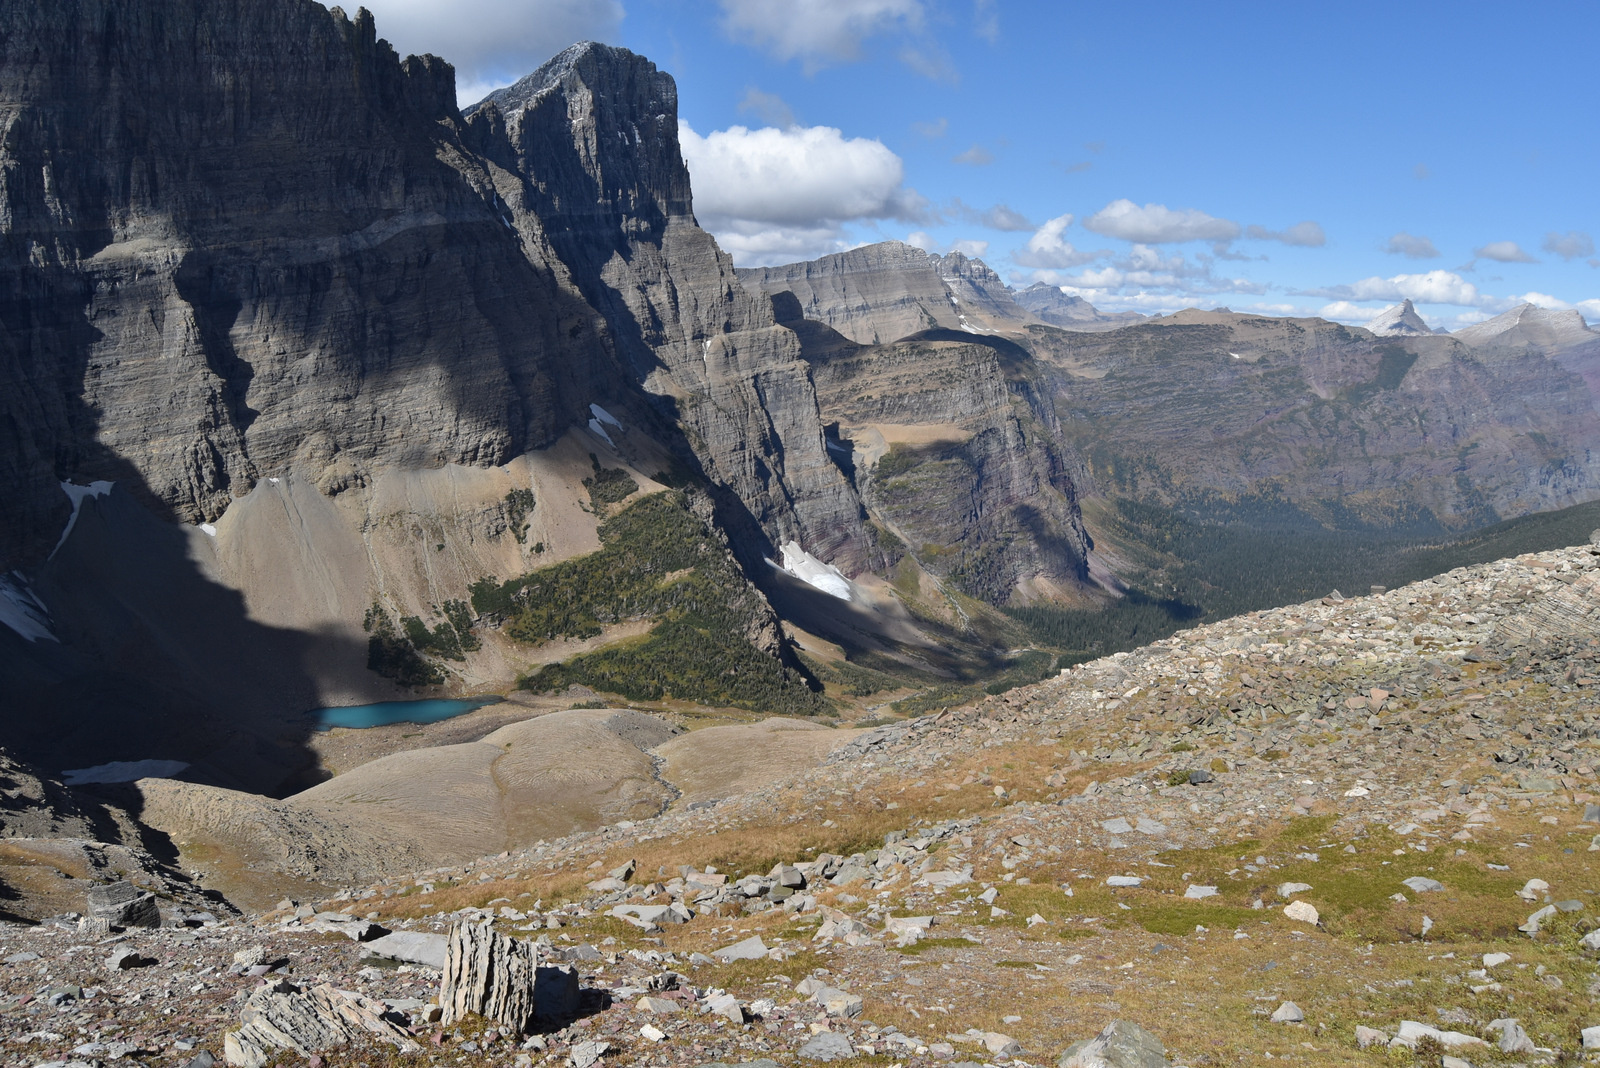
[[592, 141]]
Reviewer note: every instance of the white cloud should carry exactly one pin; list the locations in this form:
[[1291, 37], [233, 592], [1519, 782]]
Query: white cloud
[[490, 42], [1049, 250], [1434, 287], [1159, 224], [1343, 311], [928, 243], [986, 20], [1146, 280], [1590, 310], [1570, 245], [1504, 252], [1411, 246], [817, 32], [774, 195], [1001, 217], [1307, 234], [977, 156]]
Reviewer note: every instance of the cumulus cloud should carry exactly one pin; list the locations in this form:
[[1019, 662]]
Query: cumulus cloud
[[817, 32], [1434, 287], [1504, 252], [1570, 245], [773, 195], [1411, 246], [1147, 280], [976, 156], [1305, 235], [492, 43], [1158, 224], [1342, 311], [1049, 250]]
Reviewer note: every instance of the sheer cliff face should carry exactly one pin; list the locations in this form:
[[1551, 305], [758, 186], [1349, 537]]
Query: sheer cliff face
[[591, 140], [246, 238], [240, 237], [955, 454]]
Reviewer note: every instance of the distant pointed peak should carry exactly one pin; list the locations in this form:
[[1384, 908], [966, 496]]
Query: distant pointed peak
[[1401, 320]]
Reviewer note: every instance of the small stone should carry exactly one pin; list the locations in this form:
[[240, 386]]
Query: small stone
[[1124, 880], [1121, 1045], [585, 1054], [726, 1006], [828, 1046], [1302, 911], [1591, 1037], [1422, 885], [123, 958], [751, 948], [1291, 889], [652, 1033], [657, 1006], [1491, 960], [625, 871], [1288, 1012], [1448, 1061], [1367, 1037], [1513, 1039], [1197, 892], [997, 1043]]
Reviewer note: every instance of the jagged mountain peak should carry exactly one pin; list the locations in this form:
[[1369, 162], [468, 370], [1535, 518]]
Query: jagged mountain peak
[[582, 58], [1401, 320], [1529, 325]]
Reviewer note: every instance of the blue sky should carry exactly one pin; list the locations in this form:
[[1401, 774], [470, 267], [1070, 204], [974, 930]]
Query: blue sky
[[1293, 159]]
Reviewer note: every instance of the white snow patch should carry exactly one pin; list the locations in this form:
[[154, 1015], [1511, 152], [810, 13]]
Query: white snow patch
[[208, 529], [273, 481], [808, 569], [1235, 355], [123, 771], [22, 611], [77, 494], [600, 432], [604, 416]]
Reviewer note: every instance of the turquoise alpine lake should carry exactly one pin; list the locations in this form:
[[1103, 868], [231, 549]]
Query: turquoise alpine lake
[[386, 712]]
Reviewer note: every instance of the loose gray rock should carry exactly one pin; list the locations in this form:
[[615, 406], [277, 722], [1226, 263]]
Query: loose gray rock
[[1121, 1045], [1367, 1037], [1288, 1012], [828, 1046], [751, 948], [411, 947], [123, 958], [1423, 885], [1513, 1039], [585, 1054]]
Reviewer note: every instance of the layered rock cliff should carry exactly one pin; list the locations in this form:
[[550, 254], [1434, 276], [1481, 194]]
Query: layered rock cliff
[[238, 239], [590, 145], [881, 293]]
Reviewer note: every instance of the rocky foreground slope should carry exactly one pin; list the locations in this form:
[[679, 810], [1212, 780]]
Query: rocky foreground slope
[[1349, 831]]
